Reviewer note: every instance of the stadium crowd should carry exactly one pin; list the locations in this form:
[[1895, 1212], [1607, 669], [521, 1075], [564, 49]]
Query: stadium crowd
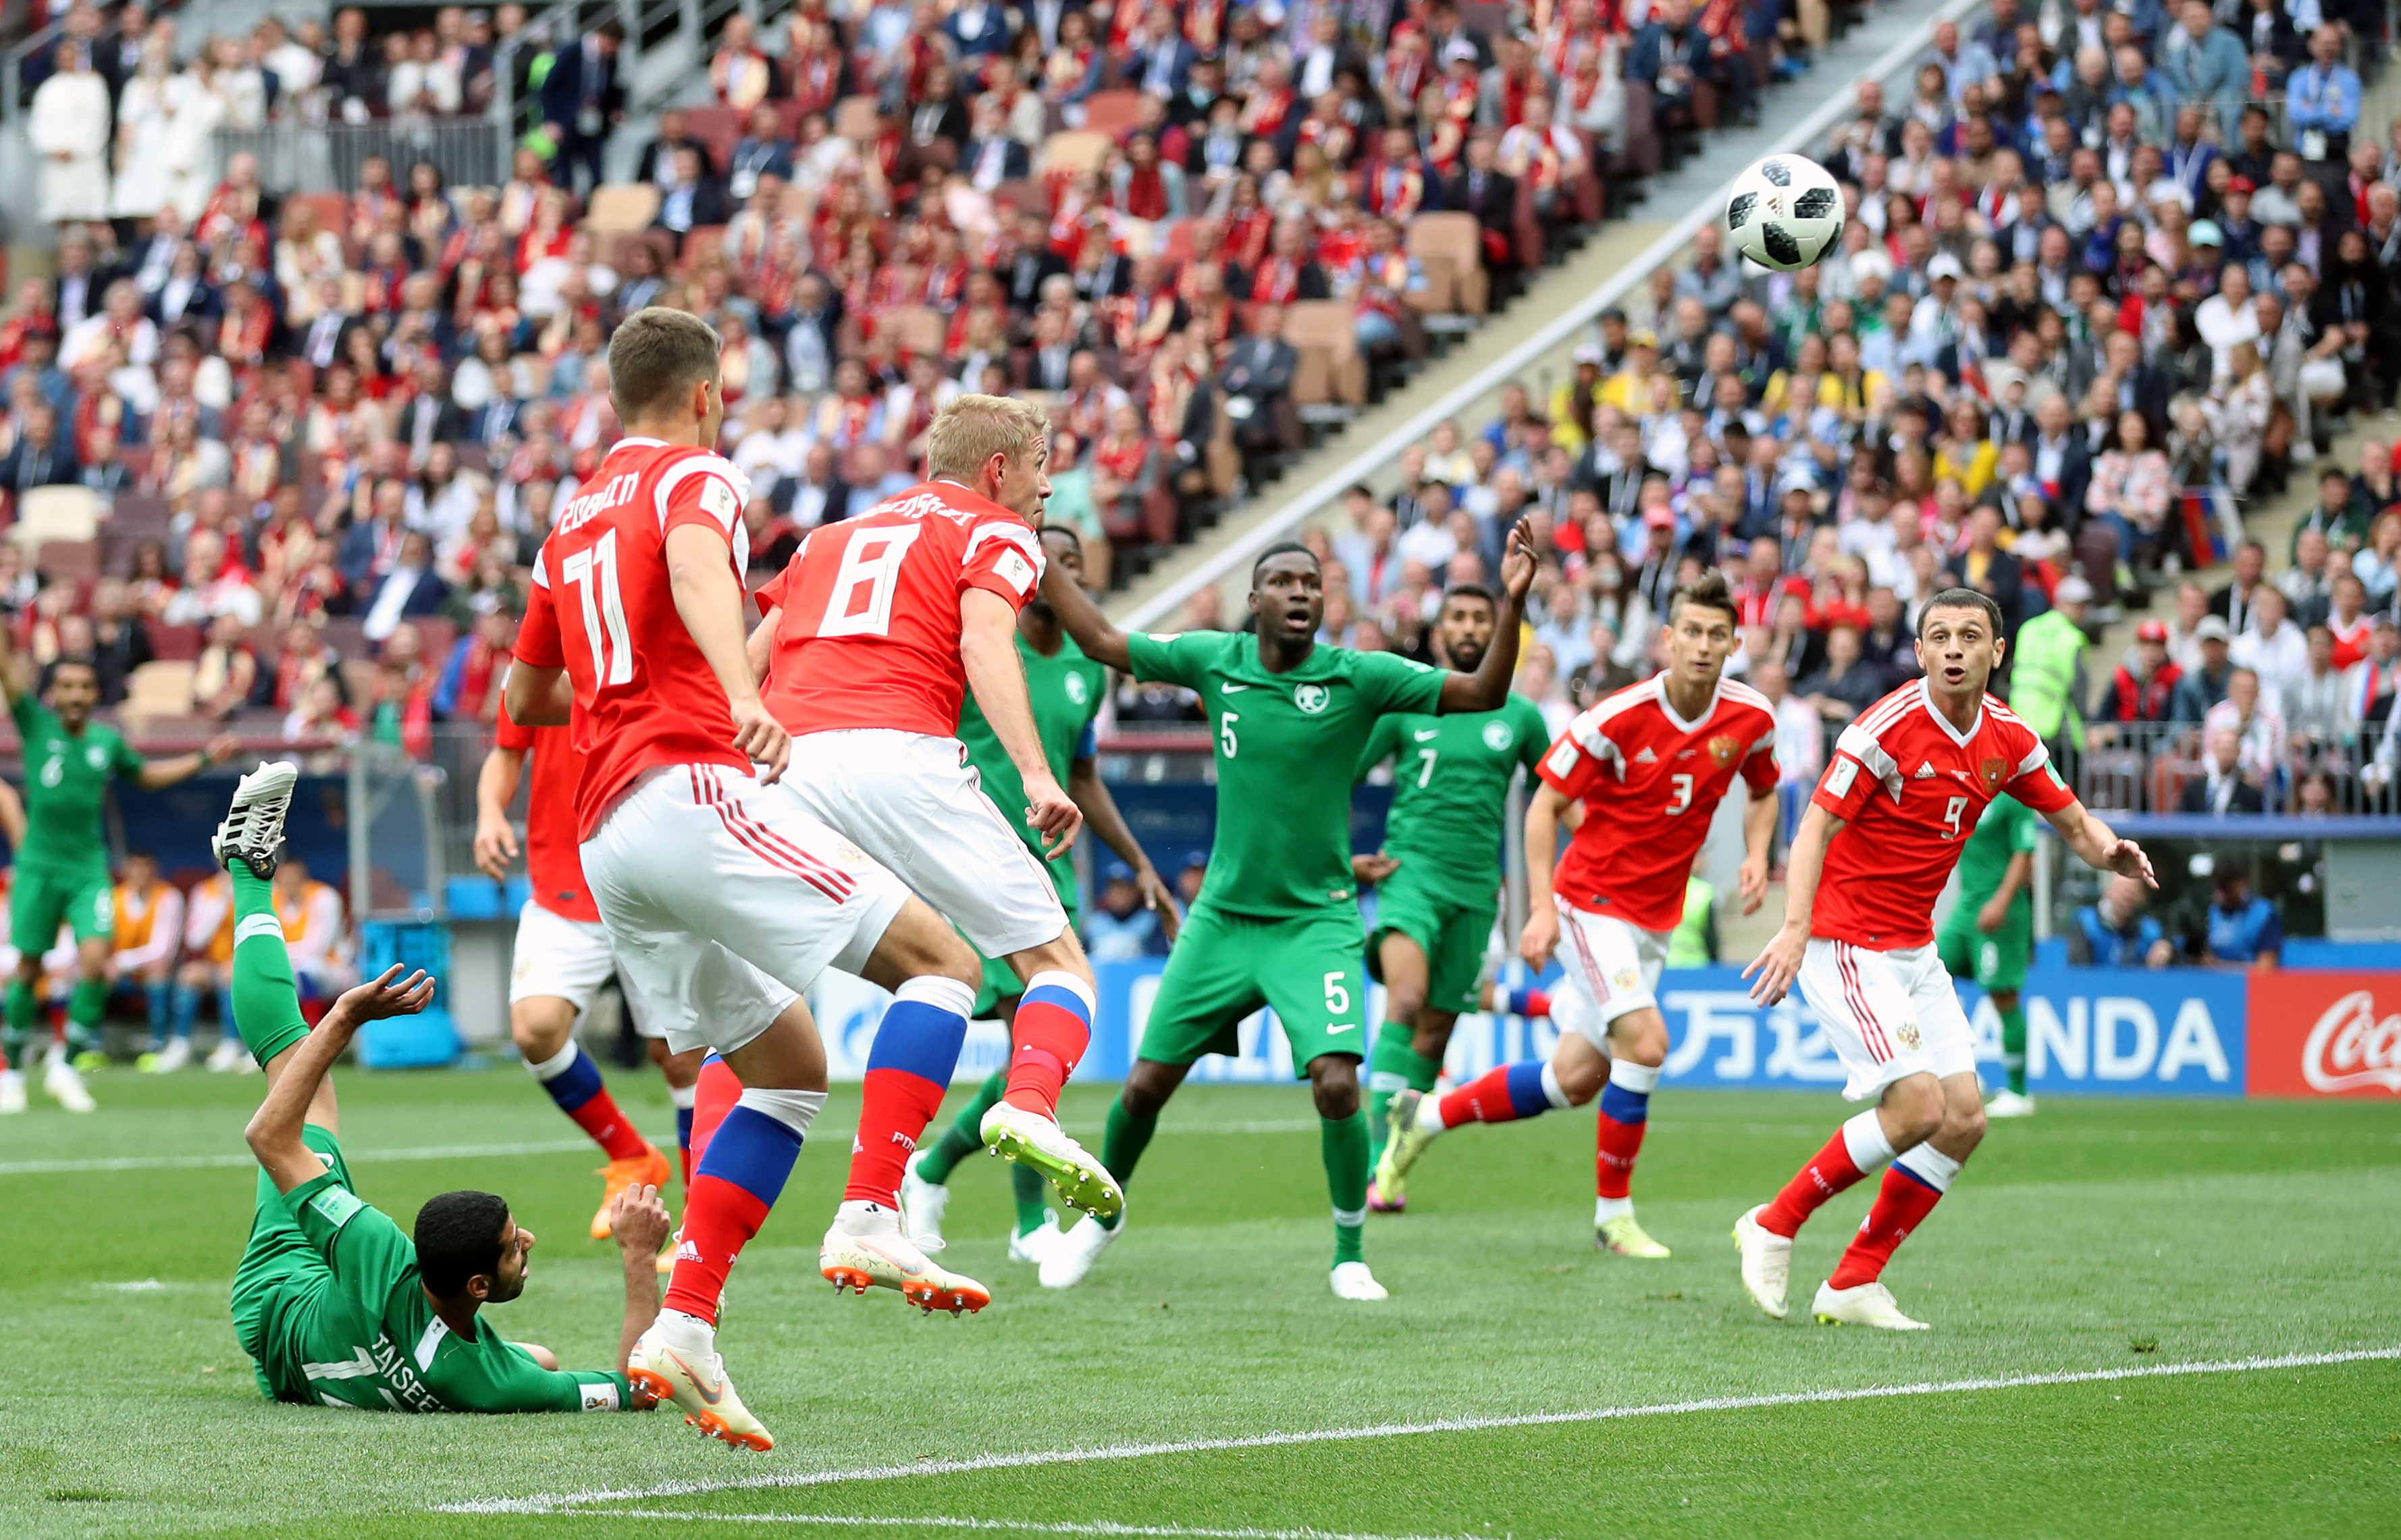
[[2102, 291], [2111, 277]]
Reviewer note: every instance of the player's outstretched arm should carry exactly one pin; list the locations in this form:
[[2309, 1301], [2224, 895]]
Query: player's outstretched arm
[[16, 671], [155, 774], [708, 597], [988, 653], [638, 1223], [1102, 642], [2096, 844], [1102, 817], [274, 1131], [12, 817], [495, 787], [1540, 937], [1772, 972], [1487, 688]]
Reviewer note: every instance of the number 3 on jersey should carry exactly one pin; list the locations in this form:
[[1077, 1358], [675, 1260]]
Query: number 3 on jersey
[[593, 574]]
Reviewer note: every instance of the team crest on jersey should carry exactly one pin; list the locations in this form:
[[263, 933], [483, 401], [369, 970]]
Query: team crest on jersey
[[1723, 747], [95, 756], [1993, 770], [1498, 737], [1078, 691], [1907, 1032], [1310, 698]]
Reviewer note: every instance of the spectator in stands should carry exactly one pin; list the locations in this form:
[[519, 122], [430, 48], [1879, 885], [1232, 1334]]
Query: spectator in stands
[[68, 127], [226, 677], [410, 589], [583, 98], [2273, 648], [2144, 688], [2235, 603], [1121, 928], [2321, 100], [214, 584], [2243, 930], [2221, 788], [39, 457], [2203, 687], [2115, 931]]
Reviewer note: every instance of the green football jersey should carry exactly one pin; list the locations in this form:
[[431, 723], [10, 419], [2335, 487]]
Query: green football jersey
[[1285, 747], [66, 784], [1066, 692], [374, 1340], [2007, 827], [1450, 783]]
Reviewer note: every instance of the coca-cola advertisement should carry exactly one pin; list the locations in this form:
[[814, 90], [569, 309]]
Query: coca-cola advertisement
[[2325, 1033]]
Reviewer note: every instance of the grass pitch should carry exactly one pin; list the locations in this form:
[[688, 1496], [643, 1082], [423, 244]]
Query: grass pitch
[[2126, 1240]]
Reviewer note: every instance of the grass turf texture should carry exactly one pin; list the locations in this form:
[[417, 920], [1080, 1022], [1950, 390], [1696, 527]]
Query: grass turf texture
[[2097, 1236]]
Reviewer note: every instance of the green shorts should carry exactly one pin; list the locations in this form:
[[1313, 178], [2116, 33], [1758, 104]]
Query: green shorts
[[40, 901], [1303, 966], [1000, 981], [1452, 932], [284, 1282], [1996, 960]]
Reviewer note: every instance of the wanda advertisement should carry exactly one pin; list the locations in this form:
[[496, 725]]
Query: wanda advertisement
[[2325, 1033]]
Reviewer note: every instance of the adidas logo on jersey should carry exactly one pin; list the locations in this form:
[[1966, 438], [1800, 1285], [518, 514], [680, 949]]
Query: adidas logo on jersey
[[1646, 757], [1925, 770], [686, 1251]]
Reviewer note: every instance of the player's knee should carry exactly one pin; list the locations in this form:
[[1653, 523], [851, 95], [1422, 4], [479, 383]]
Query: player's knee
[[1402, 1000], [541, 1029], [1639, 1036], [1062, 955], [1914, 1113], [1333, 1085], [1147, 1086]]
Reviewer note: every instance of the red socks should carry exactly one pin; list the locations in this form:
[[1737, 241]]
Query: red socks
[[1858, 1147], [1052, 1028], [1901, 1206], [713, 1096], [916, 1047], [1615, 1147]]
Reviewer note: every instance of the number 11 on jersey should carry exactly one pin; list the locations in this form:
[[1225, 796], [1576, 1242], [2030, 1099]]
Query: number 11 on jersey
[[593, 574]]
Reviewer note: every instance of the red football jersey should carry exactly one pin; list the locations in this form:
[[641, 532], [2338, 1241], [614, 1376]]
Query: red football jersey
[[1650, 782], [1911, 787], [644, 696], [869, 635], [554, 860]]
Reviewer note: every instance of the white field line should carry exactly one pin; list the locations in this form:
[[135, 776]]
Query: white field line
[[1014, 1526], [561, 1502]]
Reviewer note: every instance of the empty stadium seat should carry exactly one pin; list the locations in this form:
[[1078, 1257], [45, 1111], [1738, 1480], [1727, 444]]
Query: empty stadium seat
[[621, 207]]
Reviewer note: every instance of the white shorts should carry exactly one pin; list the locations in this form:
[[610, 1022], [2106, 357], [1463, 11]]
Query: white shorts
[[562, 959], [1611, 969], [1888, 1014], [724, 900], [914, 802]]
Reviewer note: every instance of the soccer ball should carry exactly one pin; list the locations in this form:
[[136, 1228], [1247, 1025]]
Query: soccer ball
[[1786, 212]]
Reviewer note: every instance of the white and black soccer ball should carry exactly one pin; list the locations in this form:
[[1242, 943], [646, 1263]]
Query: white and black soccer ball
[[1786, 212]]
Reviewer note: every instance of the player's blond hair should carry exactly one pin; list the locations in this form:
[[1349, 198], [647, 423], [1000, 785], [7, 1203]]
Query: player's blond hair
[[974, 428], [656, 354]]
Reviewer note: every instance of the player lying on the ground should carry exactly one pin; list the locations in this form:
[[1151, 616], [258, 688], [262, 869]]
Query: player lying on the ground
[[1648, 765], [871, 641], [563, 958], [331, 1301], [62, 863], [1437, 878], [1909, 778], [724, 897], [1277, 921], [1066, 690]]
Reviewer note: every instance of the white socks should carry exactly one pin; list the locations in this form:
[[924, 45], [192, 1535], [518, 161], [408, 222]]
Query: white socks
[[795, 1109], [1863, 1138], [1930, 1165], [859, 1217], [558, 1064]]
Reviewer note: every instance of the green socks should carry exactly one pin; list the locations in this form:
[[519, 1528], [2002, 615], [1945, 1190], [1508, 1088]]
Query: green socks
[[1122, 1145], [21, 1022], [86, 1009], [964, 1136], [1344, 1143], [2013, 1045], [1393, 1066], [265, 1000], [1033, 1196]]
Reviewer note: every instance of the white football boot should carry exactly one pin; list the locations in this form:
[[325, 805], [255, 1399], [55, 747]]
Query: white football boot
[[1766, 1263], [1073, 1253], [1353, 1281], [1867, 1305]]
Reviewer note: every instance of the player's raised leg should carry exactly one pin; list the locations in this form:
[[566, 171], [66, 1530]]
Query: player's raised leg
[[930, 972], [1049, 1033], [1400, 1061]]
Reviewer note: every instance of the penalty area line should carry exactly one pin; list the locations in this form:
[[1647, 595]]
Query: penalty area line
[[1014, 1526], [568, 1502]]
